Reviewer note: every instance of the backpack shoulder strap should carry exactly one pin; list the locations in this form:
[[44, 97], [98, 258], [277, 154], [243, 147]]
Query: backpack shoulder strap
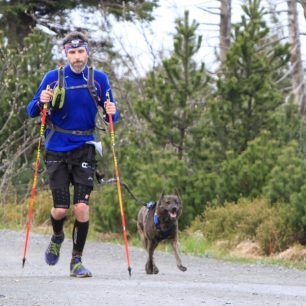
[[60, 77], [91, 85], [59, 90]]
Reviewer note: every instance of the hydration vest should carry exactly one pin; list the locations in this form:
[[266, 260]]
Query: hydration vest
[[59, 99], [59, 90]]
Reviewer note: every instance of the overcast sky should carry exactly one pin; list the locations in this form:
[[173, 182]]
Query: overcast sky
[[145, 43], [157, 38], [159, 34]]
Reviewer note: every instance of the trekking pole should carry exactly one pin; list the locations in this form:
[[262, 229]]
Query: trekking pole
[[112, 134], [29, 217]]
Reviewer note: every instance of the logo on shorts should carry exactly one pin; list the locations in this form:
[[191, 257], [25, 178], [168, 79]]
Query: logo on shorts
[[84, 165], [90, 178]]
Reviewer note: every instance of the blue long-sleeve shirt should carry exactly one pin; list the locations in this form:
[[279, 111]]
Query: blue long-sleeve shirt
[[79, 110]]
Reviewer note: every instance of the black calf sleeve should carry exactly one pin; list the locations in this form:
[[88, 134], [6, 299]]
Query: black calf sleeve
[[79, 235], [57, 226]]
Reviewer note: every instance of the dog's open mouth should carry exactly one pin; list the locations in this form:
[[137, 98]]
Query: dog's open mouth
[[172, 214]]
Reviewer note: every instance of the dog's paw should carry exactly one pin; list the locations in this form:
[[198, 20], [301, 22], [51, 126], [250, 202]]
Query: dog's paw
[[182, 268], [155, 270], [149, 268]]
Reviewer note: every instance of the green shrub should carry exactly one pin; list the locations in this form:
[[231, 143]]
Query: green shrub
[[274, 235], [12, 215], [296, 215], [42, 207], [248, 219], [106, 213], [235, 221], [287, 175], [245, 175]]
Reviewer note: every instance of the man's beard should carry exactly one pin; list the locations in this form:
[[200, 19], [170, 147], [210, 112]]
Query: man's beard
[[78, 67]]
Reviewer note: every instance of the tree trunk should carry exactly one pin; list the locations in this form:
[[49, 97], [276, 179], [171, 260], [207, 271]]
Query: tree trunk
[[296, 59], [303, 3], [225, 28]]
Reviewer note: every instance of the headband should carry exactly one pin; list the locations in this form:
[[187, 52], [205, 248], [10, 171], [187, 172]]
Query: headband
[[76, 43]]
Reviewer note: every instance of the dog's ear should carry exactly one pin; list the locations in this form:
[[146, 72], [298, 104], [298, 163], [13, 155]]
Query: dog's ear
[[177, 194], [161, 196]]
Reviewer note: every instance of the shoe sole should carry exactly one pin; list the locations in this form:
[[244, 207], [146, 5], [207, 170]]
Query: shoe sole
[[80, 276], [51, 263]]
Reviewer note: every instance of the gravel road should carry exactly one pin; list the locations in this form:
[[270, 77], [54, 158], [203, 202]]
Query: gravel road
[[206, 282]]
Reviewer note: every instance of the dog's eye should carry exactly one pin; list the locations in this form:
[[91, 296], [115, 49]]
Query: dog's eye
[[162, 209]]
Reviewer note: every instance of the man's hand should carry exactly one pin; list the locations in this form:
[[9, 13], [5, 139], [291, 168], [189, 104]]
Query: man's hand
[[110, 108], [46, 96]]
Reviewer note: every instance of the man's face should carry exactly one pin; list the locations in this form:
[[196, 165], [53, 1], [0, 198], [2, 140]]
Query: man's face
[[77, 58]]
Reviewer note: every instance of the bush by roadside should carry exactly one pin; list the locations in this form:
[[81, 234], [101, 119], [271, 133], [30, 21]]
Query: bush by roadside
[[254, 220]]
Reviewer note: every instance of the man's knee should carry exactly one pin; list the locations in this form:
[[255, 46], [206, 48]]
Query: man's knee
[[81, 212], [58, 213]]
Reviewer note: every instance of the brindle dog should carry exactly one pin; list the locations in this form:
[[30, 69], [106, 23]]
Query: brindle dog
[[158, 223]]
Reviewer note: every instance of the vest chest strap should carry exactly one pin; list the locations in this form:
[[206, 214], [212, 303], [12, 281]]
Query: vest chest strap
[[54, 128]]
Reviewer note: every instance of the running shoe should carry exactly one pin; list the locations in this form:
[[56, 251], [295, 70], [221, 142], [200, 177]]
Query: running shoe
[[53, 251], [77, 269]]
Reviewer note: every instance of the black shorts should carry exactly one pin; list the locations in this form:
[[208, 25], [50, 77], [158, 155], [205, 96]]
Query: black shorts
[[76, 167]]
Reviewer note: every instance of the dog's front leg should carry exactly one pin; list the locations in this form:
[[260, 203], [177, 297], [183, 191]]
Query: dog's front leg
[[150, 265], [177, 257]]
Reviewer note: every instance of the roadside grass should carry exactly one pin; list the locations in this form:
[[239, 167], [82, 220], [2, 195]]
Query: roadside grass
[[198, 246]]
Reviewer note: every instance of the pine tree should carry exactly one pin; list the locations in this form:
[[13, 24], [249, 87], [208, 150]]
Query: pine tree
[[175, 91], [247, 92], [21, 74]]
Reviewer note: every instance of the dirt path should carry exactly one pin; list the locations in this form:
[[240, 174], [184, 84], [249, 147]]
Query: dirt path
[[206, 282]]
